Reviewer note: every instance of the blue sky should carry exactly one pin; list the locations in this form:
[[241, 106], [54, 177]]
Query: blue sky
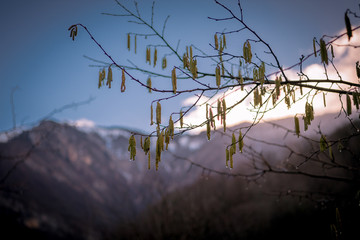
[[38, 56]]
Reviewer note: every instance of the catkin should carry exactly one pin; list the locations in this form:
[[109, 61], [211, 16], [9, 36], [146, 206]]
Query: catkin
[[148, 56], [185, 61], [158, 113], [218, 78], [148, 84], [233, 143], [193, 68], [240, 142], [123, 87], [262, 73], [323, 143], [324, 99], [128, 41], [219, 109], [171, 127], [100, 79], [147, 145], [323, 52], [224, 113], [297, 126], [173, 80], [158, 153], [167, 138], [132, 147], [348, 105], [211, 116], [135, 44], [277, 86], [224, 40], [216, 42], [208, 131], [247, 52], [164, 63], [314, 46], [274, 99], [356, 99], [348, 26], [155, 57], [227, 157], [109, 77], [151, 115], [181, 119]]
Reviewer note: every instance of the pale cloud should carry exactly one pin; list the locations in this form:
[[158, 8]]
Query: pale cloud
[[345, 59]]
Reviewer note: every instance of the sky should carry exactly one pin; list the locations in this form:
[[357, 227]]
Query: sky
[[49, 70]]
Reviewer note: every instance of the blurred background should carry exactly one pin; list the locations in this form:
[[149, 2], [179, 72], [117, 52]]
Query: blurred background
[[64, 162]]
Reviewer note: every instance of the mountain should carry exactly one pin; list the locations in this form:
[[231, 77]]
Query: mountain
[[58, 181]]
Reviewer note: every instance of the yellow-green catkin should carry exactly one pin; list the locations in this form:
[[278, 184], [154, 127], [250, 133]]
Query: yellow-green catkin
[[128, 41], [141, 143], [262, 73], [207, 111], [314, 46], [356, 99], [219, 109], [323, 143], [216, 42], [135, 44], [193, 68], [164, 63], [158, 113], [132, 147], [155, 57], [227, 157], [348, 105], [247, 52], [218, 77], [167, 138], [148, 84], [208, 130], [277, 86], [240, 142], [185, 61], [224, 113], [109, 78], [173, 80], [256, 97], [211, 117], [158, 152], [146, 145], [151, 115], [148, 55], [297, 126], [323, 52], [324, 99], [147, 150], [181, 118], [123, 87], [224, 40], [171, 127], [101, 77]]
